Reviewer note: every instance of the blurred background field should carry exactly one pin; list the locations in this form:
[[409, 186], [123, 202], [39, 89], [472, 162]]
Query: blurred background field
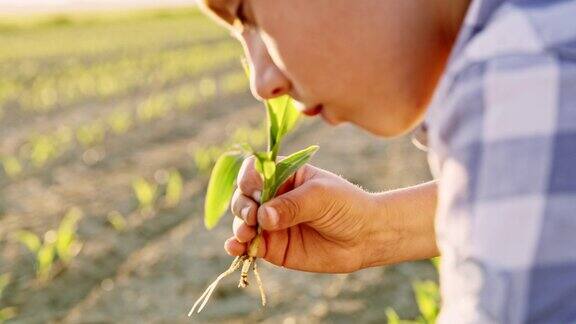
[[109, 124]]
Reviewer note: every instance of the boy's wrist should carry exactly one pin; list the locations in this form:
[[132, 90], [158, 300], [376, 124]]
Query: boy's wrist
[[397, 231]]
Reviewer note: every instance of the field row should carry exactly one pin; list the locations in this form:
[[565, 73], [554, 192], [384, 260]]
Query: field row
[[38, 150], [74, 36], [74, 85]]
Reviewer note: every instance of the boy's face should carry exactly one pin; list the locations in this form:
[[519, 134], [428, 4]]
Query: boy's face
[[369, 62]]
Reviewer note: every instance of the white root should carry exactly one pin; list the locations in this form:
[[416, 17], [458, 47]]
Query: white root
[[244, 274], [245, 262], [259, 281], [208, 292]]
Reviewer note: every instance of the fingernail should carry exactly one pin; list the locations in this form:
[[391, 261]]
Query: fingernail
[[244, 213], [256, 195], [272, 216]]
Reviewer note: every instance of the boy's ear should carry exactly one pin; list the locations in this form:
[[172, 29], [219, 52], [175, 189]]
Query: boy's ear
[[217, 9]]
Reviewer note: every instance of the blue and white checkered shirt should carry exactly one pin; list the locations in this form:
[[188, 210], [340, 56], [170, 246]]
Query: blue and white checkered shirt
[[502, 142]]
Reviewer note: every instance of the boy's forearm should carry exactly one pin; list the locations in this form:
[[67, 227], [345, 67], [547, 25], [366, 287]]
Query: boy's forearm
[[402, 226]]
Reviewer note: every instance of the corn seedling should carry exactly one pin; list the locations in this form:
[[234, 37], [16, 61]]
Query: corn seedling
[[60, 244], [67, 244], [120, 122], [154, 108], [281, 119], [427, 296], [145, 193], [42, 149], [173, 189], [255, 136], [117, 220], [43, 250], [12, 166], [205, 157], [91, 134]]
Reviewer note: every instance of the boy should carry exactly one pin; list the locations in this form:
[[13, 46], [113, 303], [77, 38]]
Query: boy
[[492, 83]]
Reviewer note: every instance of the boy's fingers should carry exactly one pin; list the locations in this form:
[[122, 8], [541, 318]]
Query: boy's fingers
[[301, 205], [249, 181], [234, 248], [243, 232], [244, 208]]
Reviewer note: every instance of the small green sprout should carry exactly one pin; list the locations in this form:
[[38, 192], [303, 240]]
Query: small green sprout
[[91, 134], [117, 220], [205, 157], [43, 148], [282, 117], [173, 189], [120, 122], [145, 193], [60, 244], [427, 296], [12, 167]]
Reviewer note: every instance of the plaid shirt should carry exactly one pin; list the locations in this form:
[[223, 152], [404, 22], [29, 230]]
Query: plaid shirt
[[502, 142]]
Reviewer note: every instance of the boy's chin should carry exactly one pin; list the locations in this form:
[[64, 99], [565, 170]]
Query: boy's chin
[[388, 129]]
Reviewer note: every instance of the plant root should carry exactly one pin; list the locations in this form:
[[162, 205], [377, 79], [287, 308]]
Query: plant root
[[208, 292], [245, 269], [259, 282], [246, 262]]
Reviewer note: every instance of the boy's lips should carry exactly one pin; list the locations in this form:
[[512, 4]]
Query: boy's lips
[[312, 111]]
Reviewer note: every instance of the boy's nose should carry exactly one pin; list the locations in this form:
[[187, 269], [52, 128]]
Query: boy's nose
[[268, 81]]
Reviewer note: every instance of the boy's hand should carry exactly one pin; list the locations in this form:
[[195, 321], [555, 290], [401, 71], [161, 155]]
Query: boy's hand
[[317, 222]]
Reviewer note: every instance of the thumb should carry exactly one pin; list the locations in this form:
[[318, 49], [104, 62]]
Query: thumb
[[300, 205]]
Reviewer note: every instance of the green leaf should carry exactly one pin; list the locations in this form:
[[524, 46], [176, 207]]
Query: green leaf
[[66, 235], [289, 116], [428, 299], [287, 167], [145, 192], [45, 259], [221, 187], [174, 189], [282, 118], [269, 168], [117, 220], [30, 240], [392, 317], [273, 126]]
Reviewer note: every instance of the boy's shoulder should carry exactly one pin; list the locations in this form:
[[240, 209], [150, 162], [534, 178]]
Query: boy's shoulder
[[509, 76], [519, 28]]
